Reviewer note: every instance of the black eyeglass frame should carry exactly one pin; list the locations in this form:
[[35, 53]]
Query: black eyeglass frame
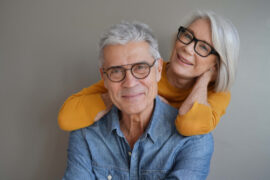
[[181, 29], [126, 69]]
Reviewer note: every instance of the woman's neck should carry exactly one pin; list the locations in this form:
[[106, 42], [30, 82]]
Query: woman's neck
[[176, 81]]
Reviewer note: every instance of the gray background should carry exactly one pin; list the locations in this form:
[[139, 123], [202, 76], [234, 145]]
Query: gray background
[[48, 51]]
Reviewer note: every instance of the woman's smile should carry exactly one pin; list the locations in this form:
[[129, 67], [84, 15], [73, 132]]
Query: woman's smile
[[183, 60]]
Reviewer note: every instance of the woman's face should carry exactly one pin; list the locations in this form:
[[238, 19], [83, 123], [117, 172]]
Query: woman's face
[[184, 61]]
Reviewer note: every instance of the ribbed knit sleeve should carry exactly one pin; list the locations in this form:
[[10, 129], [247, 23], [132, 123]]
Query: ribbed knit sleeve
[[202, 119], [80, 109]]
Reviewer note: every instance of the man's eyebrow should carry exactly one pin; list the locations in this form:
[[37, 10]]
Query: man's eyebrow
[[143, 61]]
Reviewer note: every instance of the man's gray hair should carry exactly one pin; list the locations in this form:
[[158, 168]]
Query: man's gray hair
[[126, 32], [226, 42]]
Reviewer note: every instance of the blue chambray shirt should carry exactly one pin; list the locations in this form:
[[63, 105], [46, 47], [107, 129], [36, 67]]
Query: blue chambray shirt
[[101, 151]]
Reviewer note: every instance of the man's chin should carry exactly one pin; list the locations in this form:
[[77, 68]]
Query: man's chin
[[134, 108]]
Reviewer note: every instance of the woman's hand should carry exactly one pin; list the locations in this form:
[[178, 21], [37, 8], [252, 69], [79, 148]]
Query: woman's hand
[[199, 90], [209, 76]]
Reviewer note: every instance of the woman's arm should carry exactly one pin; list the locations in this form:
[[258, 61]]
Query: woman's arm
[[81, 109], [197, 94], [201, 118], [202, 109]]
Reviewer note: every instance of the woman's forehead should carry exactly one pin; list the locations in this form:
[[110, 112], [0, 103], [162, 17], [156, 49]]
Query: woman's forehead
[[201, 28]]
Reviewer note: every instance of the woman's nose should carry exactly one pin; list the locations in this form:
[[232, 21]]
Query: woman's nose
[[190, 48]]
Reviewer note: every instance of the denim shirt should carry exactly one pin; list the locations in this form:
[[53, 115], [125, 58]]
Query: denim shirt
[[101, 151]]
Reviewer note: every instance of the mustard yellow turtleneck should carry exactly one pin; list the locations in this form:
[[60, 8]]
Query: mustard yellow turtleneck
[[80, 110]]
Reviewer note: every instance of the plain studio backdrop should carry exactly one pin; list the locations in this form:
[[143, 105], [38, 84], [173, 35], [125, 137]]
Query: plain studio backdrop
[[48, 51]]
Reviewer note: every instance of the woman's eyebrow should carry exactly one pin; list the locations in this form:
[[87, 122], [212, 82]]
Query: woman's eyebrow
[[190, 31]]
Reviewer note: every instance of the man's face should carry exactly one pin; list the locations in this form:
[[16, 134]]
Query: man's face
[[131, 95]]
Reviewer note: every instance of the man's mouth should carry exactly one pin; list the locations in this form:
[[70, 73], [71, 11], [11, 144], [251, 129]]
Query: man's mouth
[[132, 96]]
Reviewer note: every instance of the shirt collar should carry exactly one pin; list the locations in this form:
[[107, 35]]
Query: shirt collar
[[161, 125], [113, 122]]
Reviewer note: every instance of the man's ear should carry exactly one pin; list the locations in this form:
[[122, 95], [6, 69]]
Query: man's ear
[[101, 73], [102, 76], [159, 69]]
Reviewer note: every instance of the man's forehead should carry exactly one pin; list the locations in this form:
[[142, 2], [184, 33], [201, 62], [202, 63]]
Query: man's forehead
[[130, 53]]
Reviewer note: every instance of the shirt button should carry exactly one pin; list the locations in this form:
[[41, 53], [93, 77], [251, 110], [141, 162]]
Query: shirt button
[[129, 153], [109, 177]]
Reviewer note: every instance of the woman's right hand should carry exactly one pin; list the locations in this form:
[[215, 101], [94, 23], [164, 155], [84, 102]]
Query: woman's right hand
[[199, 90], [208, 76]]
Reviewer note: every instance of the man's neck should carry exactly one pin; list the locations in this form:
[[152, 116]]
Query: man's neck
[[134, 125]]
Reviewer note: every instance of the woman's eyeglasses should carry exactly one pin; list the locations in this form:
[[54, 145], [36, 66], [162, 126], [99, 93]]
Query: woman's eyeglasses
[[202, 48]]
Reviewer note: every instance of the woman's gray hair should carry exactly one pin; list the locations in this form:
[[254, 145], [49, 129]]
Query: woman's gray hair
[[226, 41], [126, 32]]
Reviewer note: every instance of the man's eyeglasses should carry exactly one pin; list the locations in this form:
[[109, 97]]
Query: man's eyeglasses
[[138, 70], [202, 48]]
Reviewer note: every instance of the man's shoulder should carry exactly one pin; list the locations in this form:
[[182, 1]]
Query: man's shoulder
[[203, 137], [204, 141]]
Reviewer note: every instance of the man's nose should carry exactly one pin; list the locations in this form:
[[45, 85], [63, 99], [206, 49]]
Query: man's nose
[[129, 80]]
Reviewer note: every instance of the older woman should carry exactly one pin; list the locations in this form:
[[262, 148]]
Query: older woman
[[197, 79]]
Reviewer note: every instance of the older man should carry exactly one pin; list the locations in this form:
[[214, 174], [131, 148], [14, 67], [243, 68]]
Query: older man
[[136, 139]]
